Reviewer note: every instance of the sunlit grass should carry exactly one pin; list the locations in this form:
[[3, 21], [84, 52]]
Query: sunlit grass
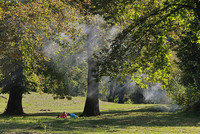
[[114, 118]]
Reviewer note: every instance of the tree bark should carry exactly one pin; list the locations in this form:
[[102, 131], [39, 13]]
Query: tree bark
[[14, 106], [92, 100]]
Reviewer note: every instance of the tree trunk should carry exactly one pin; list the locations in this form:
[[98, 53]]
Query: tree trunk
[[121, 94], [111, 96], [92, 100], [14, 106]]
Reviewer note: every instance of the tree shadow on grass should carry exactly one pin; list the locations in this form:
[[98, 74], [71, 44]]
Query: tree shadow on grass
[[50, 114], [124, 119], [145, 117]]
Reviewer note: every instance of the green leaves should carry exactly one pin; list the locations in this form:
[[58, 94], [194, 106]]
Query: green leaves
[[26, 28], [143, 48]]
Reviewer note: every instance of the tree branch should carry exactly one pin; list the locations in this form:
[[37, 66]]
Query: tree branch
[[184, 6], [197, 10], [141, 20]]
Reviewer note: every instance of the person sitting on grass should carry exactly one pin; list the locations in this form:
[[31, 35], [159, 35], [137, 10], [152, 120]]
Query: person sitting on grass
[[72, 115], [63, 115]]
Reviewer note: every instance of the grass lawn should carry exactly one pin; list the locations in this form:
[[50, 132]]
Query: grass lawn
[[114, 118]]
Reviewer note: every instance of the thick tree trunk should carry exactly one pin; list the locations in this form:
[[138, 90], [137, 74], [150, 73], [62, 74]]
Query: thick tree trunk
[[14, 106], [92, 100]]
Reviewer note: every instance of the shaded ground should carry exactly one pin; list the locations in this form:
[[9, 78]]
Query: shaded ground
[[109, 121], [114, 118]]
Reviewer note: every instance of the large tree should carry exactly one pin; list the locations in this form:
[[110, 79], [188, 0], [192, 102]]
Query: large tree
[[95, 39], [25, 28], [142, 49]]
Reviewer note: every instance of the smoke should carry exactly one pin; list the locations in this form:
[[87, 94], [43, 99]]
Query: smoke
[[112, 33], [89, 39], [51, 50], [155, 94], [97, 35], [74, 51], [167, 108]]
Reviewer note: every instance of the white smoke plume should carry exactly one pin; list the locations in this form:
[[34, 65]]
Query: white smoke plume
[[155, 94], [78, 49], [98, 31]]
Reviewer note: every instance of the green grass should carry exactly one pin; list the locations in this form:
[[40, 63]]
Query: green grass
[[114, 118]]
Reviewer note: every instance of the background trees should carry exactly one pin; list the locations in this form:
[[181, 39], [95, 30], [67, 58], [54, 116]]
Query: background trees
[[188, 62]]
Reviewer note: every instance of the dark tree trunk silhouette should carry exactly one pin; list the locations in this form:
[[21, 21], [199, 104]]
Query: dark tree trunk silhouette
[[92, 100], [121, 94], [14, 106]]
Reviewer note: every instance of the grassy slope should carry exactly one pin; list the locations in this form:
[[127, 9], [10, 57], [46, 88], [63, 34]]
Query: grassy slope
[[114, 118]]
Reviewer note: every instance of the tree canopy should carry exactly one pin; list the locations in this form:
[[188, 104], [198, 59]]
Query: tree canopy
[[143, 46], [26, 27]]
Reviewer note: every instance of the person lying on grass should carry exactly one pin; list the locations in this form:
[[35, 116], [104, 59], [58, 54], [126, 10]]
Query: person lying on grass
[[72, 115], [63, 115]]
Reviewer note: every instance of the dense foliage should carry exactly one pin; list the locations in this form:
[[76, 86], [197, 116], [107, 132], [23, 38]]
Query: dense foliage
[[152, 30], [143, 47], [26, 27]]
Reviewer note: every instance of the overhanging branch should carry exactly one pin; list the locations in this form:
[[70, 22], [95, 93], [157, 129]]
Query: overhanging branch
[[142, 20]]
